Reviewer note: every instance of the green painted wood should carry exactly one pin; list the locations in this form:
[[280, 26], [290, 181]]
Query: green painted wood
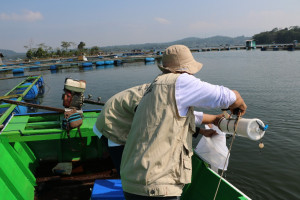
[[43, 118], [46, 127], [22, 86], [204, 184], [18, 160], [43, 125], [5, 105], [7, 189], [52, 143], [28, 157], [17, 178]]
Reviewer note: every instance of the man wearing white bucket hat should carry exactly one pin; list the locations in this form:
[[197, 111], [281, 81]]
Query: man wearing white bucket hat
[[156, 161]]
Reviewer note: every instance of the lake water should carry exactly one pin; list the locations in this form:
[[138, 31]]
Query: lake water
[[269, 82]]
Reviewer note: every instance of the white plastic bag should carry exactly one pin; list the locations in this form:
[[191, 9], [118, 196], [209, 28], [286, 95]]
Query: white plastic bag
[[213, 150]]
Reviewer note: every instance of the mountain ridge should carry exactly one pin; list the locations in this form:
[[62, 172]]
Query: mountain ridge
[[191, 42]]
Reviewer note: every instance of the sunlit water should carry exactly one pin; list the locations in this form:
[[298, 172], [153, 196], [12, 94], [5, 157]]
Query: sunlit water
[[269, 82]]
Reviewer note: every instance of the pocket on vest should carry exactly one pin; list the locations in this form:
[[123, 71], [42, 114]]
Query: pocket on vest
[[185, 166]]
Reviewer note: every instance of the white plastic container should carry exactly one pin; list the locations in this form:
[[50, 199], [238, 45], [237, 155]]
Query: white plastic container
[[249, 128], [76, 86]]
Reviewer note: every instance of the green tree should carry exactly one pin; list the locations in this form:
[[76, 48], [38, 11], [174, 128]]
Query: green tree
[[65, 45], [276, 35], [94, 50], [40, 53], [58, 52], [81, 46], [29, 54]]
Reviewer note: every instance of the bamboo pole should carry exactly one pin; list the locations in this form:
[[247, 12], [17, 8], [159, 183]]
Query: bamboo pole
[[33, 105]]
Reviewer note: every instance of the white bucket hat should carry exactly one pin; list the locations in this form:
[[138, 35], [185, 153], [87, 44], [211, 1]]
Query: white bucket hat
[[178, 58]]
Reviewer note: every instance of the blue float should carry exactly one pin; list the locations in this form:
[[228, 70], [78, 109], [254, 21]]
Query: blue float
[[18, 74], [32, 93], [40, 82], [87, 64], [18, 109], [99, 63], [149, 59], [37, 63], [118, 62], [108, 62], [18, 70]]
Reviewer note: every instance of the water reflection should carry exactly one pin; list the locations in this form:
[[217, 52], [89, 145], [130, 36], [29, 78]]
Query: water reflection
[[109, 66], [53, 71], [100, 67], [150, 63], [87, 68]]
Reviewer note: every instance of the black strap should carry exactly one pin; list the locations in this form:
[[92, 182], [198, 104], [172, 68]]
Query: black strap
[[197, 132]]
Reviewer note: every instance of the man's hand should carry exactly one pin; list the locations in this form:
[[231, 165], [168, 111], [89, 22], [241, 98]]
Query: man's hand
[[211, 119], [239, 103], [208, 132]]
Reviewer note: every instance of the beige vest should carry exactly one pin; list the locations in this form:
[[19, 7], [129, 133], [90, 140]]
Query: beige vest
[[157, 157], [115, 119]]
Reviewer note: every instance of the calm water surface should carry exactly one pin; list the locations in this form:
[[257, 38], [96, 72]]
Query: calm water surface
[[269, 82]]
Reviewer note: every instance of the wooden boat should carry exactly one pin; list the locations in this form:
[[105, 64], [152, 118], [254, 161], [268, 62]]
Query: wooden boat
[[27, 89], [34, 144], [37, 139]]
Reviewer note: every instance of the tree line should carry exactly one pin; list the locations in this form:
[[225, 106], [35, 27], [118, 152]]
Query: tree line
[[44, 51], [278, 36]]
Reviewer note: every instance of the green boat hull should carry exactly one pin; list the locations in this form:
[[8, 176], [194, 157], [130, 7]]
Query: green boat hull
[[28, 140], [205, 182]]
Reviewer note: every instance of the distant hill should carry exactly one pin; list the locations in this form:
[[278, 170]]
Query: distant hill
[[9, 54], [191, 42], [278, 36]]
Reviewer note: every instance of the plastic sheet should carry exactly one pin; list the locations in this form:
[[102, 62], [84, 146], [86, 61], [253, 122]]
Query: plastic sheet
[[213, 150]]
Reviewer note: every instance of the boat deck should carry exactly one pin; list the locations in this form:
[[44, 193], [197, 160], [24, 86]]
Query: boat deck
[[45, 126]]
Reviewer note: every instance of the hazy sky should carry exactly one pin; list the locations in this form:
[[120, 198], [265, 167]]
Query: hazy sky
[[107, 22]]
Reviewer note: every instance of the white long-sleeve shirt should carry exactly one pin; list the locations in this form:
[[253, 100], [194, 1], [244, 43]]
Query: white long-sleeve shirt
[[191, 91]]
